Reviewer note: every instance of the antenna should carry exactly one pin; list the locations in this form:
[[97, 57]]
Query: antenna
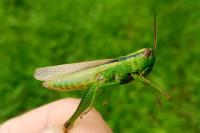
[[154, 28]]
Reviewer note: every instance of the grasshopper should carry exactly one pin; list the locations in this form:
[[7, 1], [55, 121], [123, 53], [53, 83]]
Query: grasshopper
[[94, 75]]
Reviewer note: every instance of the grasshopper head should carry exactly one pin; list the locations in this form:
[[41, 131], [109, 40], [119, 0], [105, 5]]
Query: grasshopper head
[[146, 61], [143, 60], [149, 57]]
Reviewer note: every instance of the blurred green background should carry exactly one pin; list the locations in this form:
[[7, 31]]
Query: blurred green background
[[35, 33]]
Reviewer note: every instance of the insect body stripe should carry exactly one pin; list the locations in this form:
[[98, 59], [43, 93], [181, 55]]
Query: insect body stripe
[[127, 57]]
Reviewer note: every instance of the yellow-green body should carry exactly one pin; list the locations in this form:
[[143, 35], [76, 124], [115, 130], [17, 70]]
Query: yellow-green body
[[115, 71], [103, 74]]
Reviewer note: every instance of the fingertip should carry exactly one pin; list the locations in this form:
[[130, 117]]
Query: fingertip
[[50, 118]]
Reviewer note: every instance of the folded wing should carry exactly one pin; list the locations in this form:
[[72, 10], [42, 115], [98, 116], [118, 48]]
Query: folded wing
[[49, 73]]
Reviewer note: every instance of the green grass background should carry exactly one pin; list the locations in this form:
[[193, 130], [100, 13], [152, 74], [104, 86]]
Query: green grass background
[[35, 33]]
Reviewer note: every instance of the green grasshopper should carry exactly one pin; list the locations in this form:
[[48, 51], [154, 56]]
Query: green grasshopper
[[99, 74]]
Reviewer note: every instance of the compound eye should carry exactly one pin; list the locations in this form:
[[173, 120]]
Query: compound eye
[[147, 52]]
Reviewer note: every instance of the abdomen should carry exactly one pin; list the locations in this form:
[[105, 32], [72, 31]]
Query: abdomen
[[69, 83]]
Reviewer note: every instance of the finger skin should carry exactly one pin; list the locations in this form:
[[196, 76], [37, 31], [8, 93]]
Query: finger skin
[[51, 117]]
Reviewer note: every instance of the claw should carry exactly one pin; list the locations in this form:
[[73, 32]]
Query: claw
[[67, 125]]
